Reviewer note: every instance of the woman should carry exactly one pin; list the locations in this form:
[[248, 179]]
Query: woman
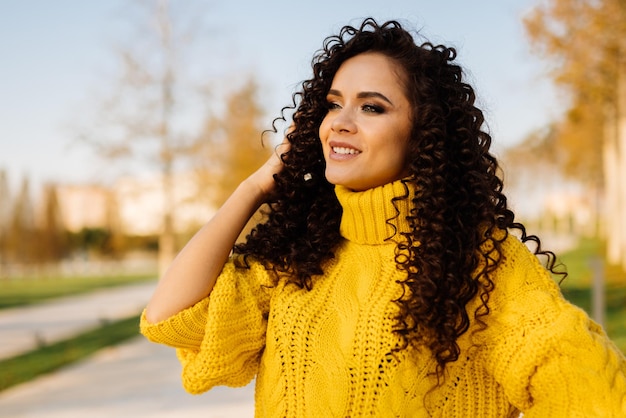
[[384, 280]]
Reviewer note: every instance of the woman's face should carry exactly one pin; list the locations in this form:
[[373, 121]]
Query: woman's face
[[365, 133]]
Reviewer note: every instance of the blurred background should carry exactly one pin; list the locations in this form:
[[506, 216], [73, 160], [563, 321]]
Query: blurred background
[[125, 123]]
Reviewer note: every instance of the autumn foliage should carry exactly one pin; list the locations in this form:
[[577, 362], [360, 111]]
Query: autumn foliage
[[583, 44]]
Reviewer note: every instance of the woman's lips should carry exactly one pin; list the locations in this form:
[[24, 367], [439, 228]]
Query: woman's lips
[[343, 151]]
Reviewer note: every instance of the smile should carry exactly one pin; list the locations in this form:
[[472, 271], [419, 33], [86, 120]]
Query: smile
[[345, 151]]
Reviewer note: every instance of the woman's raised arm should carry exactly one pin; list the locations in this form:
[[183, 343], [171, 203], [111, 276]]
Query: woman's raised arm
[[193, 273]]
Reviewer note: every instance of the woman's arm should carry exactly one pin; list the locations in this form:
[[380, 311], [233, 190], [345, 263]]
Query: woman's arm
[[193, 273]]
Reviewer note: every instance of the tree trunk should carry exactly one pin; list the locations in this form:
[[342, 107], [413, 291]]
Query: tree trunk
[[167, 241], [613, 221], [167, 244], [621, 161]]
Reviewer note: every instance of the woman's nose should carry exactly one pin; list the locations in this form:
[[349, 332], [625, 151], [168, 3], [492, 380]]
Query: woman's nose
[[344, 121]]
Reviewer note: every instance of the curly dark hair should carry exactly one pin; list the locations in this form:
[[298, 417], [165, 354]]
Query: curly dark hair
[[459, 215]]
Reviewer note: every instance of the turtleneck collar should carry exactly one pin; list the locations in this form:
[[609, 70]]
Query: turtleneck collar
[[370, 217]]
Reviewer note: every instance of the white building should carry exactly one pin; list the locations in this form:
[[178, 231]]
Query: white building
[[141, 204], [136, 205], [84, 206]]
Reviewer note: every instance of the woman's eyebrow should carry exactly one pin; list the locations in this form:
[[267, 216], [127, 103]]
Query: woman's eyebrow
[[333, 92], [368, 94], [362, 95]]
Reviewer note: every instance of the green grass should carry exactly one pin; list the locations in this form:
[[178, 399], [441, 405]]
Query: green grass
[[577, 287], [51, 357], [20, 292]]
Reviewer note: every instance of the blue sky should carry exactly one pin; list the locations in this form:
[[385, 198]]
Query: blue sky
[[55, 54]]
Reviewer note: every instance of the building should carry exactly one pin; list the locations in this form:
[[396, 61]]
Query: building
[[134, 205]]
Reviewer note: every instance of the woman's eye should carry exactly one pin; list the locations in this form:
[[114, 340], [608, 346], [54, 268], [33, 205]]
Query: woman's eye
[[333, 105], [370, 108]]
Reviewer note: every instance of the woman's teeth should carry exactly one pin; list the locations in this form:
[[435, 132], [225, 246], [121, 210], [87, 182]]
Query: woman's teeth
[[341, 150]]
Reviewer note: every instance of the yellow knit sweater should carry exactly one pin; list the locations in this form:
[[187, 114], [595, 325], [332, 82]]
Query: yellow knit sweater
[[328, 352]]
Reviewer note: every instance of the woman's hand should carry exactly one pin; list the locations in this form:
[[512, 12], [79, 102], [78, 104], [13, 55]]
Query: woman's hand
[[263, 178]]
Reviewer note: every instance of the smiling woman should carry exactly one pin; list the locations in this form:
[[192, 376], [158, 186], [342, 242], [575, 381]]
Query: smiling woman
[[386, 278], [365, 133]]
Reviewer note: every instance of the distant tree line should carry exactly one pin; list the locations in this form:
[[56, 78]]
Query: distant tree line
[[32, 230]]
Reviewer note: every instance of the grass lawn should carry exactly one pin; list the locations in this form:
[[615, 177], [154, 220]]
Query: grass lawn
[[20, 292], [48, 358], [577, 287], [45, 359]]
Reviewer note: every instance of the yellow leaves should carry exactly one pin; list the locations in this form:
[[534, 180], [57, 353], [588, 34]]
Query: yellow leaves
[[580, 137], [581, 38], [231, 143], [584, 41]]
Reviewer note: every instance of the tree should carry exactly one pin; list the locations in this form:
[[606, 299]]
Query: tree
[[5, 211], [52, 234], [585, 42], [117, 240], [143, 112], [21, 240], [230, 147], [572, 36]]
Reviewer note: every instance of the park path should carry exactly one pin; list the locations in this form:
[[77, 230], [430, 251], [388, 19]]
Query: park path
[[137, 378], [24, 328]]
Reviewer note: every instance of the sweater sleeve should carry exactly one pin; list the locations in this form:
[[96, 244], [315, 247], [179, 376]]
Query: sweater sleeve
[[220, 340], [550, 358]]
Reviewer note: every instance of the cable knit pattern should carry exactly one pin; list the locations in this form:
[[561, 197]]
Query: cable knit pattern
[[328, 352], [228, 350]]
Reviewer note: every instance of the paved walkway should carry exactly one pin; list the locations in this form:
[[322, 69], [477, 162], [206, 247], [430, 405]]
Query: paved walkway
[[23, 328], [135, 379]]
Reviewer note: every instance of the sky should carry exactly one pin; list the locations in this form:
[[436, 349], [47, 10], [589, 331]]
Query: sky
[[57, 56]]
